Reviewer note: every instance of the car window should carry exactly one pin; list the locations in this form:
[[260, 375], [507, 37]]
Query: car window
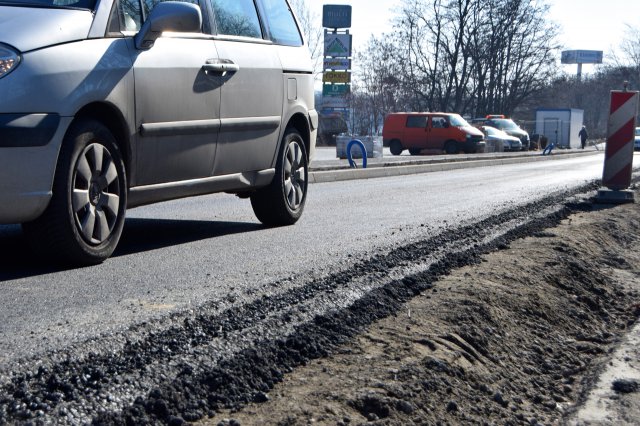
[[505, 123], [282, 25], [148, 5], [438, 122], [638, 131], [237, 18], [419, 121], [458, 121], [130, 14]]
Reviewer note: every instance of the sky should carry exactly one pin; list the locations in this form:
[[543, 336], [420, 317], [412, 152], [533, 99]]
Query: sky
[[584, 24]]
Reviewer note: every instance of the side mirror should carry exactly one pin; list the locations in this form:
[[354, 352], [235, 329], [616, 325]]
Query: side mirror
[[168, 16]]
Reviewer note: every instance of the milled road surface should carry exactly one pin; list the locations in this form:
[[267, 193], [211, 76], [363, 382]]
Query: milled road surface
[[179, 254], [199, 280]]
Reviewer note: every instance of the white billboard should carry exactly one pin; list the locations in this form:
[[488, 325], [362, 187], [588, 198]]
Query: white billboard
[[581, 57]]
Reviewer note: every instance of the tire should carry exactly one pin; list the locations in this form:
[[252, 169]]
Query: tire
[[84, 220], [415, 151], [451, 147], [395, 147], [282, 202]]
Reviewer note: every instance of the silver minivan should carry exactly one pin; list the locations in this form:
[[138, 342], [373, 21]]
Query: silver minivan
[[111, 104]]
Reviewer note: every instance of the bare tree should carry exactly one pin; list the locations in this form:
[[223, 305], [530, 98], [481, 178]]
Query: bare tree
[[375, 91], [470, 56], [630, 46]]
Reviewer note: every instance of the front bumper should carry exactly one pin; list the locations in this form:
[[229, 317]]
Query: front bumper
[[29, 147], [313, 133], [471, 146], [27, 130]]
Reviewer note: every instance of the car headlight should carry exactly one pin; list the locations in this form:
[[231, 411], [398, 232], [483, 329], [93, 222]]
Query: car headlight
[[9, 60]]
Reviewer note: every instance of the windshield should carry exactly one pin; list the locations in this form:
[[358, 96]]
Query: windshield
[[458, 121], [491, 131], [79, 4], [505, 123]]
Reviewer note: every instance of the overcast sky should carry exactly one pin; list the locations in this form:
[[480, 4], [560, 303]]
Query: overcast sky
[[585, 24]]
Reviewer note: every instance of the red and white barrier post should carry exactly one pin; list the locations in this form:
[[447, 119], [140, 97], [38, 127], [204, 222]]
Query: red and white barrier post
[[618, 160]]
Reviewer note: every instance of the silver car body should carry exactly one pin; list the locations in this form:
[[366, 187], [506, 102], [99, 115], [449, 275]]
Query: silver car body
[[508, 126], [183, 130], [509, 143]]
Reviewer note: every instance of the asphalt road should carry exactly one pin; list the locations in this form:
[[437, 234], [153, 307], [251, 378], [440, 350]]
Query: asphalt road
[[178, 255]]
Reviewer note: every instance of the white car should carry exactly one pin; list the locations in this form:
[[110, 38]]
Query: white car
[[493, 135]]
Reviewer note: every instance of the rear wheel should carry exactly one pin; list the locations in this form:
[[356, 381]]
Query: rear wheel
[[282, 202], [395, 147], [85, 217], [451, 147]]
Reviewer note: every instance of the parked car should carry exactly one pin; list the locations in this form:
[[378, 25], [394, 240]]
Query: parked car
[[636, 144], [108, 105], [496, 136], [507, 125], [417, 131]]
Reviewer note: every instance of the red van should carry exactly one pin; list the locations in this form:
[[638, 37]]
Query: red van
[[439, 131]]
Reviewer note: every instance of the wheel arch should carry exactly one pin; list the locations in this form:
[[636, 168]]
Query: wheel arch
[[300, 122], [111, 117]]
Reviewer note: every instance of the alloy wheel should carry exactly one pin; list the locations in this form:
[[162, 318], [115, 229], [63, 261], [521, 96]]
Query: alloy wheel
[[294, 175], [95, 197]]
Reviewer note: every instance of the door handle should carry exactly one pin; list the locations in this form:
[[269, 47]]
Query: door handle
[[220, 66]]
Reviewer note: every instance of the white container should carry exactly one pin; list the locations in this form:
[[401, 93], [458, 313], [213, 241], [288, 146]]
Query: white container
[[560, 126]]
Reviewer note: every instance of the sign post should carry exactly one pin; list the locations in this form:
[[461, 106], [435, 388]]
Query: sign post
[[337, 61], [618, 160], [580, 57]]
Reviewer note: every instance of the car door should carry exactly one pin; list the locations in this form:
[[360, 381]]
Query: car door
[[415, 132], [252, 93], [439, 132], [177, 107]]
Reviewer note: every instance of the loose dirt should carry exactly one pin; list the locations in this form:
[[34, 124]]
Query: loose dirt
[[519, 338]]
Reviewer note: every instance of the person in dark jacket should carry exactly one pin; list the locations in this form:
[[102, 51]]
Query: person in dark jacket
[[583, 136]]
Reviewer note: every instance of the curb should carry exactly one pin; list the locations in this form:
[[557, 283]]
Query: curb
[[409, 169]]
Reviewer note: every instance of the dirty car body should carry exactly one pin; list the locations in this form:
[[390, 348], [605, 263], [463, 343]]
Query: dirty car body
[[509, 143], [109, 104], [508, 126]]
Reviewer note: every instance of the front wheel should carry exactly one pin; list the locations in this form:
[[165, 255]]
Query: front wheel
[[84, 219], [282, 202], [451, 147]]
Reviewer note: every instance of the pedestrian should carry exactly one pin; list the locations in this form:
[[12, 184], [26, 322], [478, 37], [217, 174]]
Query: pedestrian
[[583, 136]]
